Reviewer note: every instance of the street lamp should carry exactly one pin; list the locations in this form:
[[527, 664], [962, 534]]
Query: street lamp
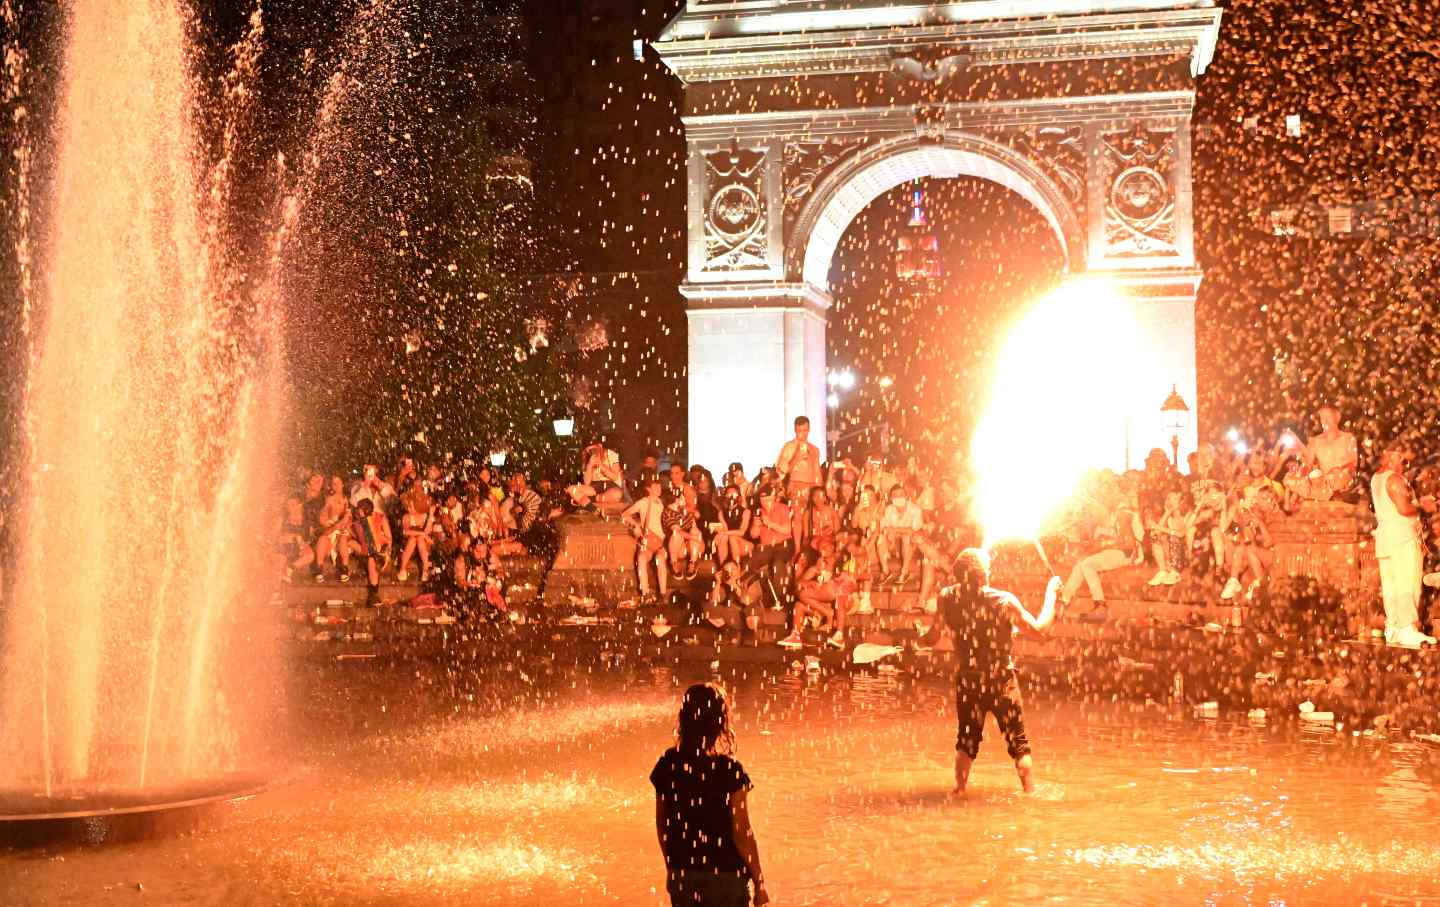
[[1175, 418], [564, 426], [498, 458]]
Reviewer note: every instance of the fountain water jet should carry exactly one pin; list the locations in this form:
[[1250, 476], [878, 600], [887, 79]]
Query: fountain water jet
[[150, 410]]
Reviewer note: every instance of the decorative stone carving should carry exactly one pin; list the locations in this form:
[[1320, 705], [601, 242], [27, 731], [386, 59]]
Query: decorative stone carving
[[806, 163], [931, 121], [1058, 151], [1140, 198], [735, 212], [929, 64]]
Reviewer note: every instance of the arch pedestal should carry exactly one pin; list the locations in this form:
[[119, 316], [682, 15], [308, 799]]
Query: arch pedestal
[[797, 118]]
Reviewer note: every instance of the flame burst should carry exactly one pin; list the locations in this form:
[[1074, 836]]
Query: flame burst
[[1070, 382]]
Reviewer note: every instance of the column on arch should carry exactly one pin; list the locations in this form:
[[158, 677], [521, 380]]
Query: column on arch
[[1165, 314], [1140, 241], [756, 362]]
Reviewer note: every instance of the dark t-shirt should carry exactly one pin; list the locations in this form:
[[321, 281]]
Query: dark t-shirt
[[695, 791], [312, 508], [983, 631]]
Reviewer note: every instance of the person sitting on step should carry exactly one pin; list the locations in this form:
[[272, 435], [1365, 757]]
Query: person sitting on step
[[292, 550], [333, 545], [644, 520], [731, 544], [899, 524], [1168, 536], [417, 532], [1114, 543], [819, 594], [682, 534], [371, 535], [1250, 547]]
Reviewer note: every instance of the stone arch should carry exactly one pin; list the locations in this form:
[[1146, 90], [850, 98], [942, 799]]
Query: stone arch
[[880, 167]]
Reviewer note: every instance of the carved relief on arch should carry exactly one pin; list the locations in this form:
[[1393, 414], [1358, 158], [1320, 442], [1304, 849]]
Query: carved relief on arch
[[1137, 175], [735, 218], [1059, 153], [806, 164]]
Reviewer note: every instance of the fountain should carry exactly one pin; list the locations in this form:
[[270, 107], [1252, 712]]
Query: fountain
[[130, 676]]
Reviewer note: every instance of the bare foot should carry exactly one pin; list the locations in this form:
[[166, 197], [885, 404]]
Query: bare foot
[[957, 793]]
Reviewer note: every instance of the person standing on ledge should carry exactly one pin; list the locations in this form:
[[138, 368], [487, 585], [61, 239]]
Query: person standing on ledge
[[701, 816], [982, 621], [1398, 547], [799, 462]]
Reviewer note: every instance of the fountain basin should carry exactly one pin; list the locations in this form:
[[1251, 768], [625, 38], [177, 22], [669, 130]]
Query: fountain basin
[[102, 817]]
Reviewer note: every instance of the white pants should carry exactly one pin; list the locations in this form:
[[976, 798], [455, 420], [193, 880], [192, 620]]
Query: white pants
[[1088, 571], [1400, 567]]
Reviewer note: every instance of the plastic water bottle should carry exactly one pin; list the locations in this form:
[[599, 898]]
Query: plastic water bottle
[[1235, 619], [1179, 688]]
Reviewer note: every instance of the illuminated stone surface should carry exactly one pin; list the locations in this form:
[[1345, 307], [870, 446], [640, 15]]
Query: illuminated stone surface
[[798, 116]]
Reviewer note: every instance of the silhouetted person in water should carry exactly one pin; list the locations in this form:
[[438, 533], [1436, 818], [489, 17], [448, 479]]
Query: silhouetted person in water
[[982, 621], [700, 812]]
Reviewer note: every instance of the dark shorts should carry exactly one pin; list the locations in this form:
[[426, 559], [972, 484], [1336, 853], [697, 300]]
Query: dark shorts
[[690, 888], [978, 695]]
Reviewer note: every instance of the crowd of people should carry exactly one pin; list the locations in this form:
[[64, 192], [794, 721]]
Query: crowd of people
[[809, 537], [448, 527], [1213, 523], [817, 539]]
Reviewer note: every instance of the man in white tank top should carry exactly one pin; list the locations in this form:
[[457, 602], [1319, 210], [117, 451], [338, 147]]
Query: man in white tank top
[[1397, 546]]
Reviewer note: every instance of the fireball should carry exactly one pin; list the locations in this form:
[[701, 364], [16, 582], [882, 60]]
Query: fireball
[[1069, 380]]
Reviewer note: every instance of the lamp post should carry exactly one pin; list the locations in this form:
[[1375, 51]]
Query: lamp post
[[498, 458], [1175, 417], [564, 426]]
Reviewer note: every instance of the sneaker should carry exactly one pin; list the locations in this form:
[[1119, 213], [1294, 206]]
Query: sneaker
[[344, 577], [1158, 579], [836, 641], [318, 576], [865, 607], [1171, 578], [1407, 638], [1251, 590], [1096, 615], [1232, 589], [792, 641], [932, 605]]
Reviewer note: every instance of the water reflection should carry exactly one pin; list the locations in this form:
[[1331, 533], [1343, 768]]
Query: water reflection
[[548, 803]]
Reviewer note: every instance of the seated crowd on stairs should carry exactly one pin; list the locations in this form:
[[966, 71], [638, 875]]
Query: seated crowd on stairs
[[815, 539]]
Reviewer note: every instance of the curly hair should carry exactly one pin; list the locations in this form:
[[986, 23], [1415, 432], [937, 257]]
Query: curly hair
[[704, 721]]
